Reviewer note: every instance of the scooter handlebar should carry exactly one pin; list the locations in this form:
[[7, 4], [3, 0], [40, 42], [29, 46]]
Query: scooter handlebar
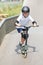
[[31, 26]]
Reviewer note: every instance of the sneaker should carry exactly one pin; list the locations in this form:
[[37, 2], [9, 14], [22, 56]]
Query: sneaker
[[20, 44], [23, 52]]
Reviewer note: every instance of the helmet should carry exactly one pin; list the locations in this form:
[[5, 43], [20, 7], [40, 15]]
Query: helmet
[[26, 9]]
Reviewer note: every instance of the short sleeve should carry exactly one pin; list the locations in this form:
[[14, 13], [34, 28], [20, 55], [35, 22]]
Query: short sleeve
[[30, 18], [19, 18]]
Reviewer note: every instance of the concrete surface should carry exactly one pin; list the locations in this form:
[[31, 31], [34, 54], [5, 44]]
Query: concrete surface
[[9, 47]]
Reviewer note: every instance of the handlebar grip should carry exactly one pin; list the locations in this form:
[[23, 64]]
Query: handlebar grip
[[37, 26]]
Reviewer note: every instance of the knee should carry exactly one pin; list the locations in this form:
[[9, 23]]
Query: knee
[[25, 36]]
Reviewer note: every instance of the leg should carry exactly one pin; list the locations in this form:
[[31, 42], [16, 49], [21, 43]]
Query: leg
[[24, 37], [22, 40]]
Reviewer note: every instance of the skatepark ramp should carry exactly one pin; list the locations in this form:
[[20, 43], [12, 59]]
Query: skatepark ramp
[[6, 26]]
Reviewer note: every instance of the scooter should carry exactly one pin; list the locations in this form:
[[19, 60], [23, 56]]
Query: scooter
[[25, 47]]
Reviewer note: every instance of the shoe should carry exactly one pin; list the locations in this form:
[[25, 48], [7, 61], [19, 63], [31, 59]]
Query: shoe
[[20, 44]]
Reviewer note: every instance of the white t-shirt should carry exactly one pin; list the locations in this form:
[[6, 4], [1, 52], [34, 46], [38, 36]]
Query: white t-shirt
[[24, 21]]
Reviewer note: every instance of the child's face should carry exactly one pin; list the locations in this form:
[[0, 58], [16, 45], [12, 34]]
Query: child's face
[[25, 14]]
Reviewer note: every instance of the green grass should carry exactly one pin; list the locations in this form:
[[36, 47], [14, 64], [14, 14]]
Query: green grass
[[11, 11]]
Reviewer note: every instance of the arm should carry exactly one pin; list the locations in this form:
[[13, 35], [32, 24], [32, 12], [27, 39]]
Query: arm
[[33, 21], [17, 23], [18, 20]]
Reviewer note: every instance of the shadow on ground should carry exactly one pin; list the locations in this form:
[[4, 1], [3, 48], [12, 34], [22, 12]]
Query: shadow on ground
[[30, 49]]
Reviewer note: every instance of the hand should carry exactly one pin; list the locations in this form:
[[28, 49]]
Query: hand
[[34, 23], [17, 24]]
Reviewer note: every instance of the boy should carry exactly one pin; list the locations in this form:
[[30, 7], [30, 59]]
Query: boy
[[23, 20]]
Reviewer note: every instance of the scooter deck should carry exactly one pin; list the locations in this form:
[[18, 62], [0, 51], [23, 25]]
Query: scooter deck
[[24, 51], [24, 48]]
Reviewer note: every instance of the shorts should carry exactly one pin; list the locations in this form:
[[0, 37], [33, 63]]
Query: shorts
[[20, 29], [22, 35]]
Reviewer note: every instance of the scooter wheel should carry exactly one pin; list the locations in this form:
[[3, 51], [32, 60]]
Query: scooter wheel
[[25, 55]]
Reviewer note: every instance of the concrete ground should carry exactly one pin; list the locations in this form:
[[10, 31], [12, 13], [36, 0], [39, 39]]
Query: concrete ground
[[9, 47]]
